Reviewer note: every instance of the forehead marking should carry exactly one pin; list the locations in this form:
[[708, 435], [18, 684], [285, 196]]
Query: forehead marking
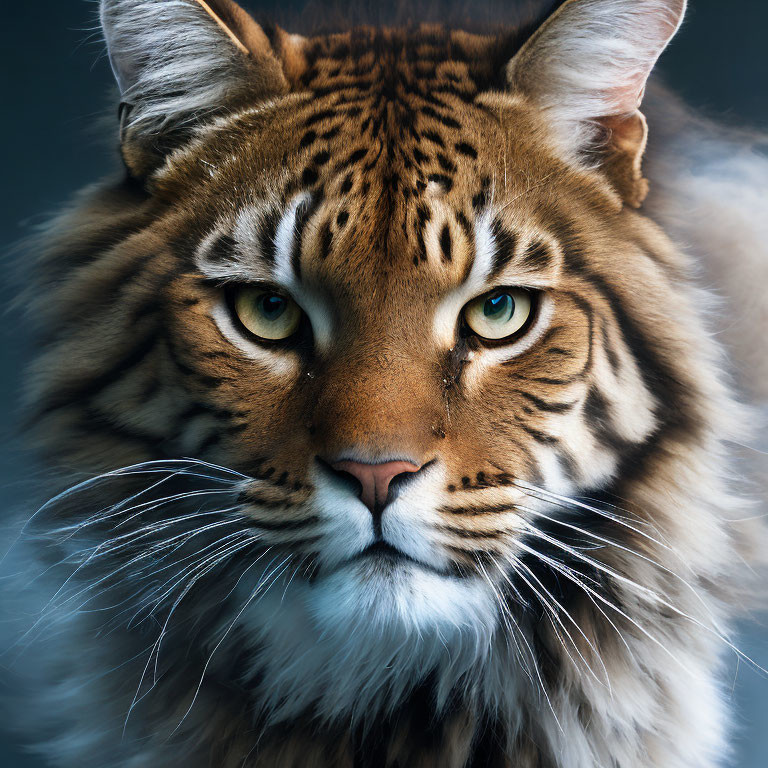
[[505, 243], [449, 308], [285, 241]]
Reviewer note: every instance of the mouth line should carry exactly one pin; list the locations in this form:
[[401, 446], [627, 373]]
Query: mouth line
[[383, 550]]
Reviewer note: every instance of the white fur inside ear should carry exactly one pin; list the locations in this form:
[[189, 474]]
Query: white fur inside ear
[[170, 59], [592, 58]]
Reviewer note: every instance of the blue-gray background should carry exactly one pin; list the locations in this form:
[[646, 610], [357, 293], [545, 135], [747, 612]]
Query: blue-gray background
[[55, 87]]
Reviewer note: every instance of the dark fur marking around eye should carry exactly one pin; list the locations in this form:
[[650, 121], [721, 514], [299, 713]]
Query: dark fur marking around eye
[[463, 148], [342, 218], [504, 252], [559, 351], [537, 256], [446, 244], [221, 249], [267, 235]]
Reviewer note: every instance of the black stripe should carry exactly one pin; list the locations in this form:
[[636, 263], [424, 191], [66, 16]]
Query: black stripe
[[303, 214], [488, 509], [185, 368], [482, 198], [537, 256], [326, 239], [267, 235], [466, 149], [537, 435], [610, 352], [445, 163], [444, 119], [75, 392], [543, 405], [95, 422], [599, 422], [505, 242], [354, 157], [434, 137], [280, 525], [221, 249], [446, 243]]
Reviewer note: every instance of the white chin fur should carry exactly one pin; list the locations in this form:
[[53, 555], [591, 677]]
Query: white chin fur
[[359, 639]]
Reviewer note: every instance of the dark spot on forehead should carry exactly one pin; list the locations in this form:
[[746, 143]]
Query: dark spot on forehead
[[463, 148]]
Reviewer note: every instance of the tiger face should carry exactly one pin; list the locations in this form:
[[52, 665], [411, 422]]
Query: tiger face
[[400, 306], [395, 281]]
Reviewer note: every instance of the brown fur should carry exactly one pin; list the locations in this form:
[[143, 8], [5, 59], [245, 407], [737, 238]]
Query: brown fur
[[404, 135]]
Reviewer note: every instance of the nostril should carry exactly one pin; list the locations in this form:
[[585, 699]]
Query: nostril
[[346, 477], [374, 479]]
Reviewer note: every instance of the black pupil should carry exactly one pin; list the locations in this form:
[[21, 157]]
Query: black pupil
[[272, 306], [500, 304]]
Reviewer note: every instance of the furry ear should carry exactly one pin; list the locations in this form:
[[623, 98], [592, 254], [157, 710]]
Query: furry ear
[[178, 60], [587, 67]]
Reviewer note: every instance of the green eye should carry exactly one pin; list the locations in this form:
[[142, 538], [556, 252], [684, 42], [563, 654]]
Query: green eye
[[500, 314], [266, 314]]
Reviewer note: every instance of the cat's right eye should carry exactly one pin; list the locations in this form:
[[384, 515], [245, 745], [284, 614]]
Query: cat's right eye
[[265, 313]]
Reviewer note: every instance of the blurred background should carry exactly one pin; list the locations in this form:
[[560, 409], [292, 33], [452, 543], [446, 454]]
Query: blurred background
[[56, 88]]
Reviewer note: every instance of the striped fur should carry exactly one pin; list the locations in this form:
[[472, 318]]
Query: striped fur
[[570, 551]]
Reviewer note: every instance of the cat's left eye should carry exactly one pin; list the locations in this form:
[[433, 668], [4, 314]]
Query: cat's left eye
[[501, 314], [267, 314]]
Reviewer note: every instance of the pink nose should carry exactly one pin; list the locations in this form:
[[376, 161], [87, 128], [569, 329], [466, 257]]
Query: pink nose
[[375, 478]]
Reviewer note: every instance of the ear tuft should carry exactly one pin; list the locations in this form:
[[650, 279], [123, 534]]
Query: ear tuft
[[587, 67], [176, 61]]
